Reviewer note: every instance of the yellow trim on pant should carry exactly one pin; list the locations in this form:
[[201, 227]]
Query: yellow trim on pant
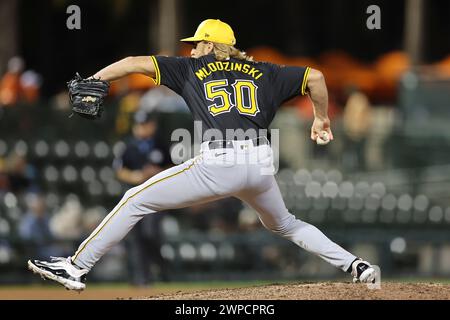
[[305, 80], [151, 184], [157, 79]]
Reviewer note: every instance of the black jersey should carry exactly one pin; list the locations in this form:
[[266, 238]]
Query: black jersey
[[232, 94]]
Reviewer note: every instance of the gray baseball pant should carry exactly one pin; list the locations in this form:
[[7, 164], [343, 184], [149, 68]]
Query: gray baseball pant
[[244, 172]]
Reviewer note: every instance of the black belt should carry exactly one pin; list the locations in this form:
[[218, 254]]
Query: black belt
[[224, 144]]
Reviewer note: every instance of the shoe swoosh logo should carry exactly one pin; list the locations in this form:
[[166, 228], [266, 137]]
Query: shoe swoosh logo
[[220, 154]]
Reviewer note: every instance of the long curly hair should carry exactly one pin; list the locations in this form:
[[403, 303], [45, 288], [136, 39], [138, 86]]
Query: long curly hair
[[224, 52]]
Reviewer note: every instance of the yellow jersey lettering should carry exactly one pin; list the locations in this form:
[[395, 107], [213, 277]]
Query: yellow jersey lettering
[[219, 65], [253, 72], [226, 65], [212, 67], [206, 71], [200, 74]]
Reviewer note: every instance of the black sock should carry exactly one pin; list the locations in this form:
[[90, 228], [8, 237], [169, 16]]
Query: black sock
[[73, 263], [349, 270]]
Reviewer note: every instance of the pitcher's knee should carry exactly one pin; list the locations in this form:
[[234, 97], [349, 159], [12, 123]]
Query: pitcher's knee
[[281, 226], [132, 204], [130, 193]]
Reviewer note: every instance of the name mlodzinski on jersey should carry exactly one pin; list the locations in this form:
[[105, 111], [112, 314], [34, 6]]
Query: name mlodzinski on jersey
[[228, 66]]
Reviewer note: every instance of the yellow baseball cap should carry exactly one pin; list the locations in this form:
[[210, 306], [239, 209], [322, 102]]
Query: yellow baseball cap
[[213, 30]]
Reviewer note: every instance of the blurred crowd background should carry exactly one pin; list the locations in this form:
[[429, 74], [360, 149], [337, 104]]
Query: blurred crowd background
[[381, 189]]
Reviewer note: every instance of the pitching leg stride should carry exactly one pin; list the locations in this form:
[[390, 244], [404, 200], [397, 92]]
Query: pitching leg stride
[[62, 271]]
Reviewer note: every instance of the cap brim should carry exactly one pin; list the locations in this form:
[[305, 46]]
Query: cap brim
[[191, 40]]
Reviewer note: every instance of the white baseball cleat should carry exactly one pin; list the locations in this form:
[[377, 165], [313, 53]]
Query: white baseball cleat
[[60, 270], [363, 272]]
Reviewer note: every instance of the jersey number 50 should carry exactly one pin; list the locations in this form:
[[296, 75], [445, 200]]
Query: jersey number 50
[[242, 88]]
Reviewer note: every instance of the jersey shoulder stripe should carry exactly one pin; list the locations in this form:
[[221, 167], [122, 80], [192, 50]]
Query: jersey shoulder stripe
[[157, 78], [305, 81]]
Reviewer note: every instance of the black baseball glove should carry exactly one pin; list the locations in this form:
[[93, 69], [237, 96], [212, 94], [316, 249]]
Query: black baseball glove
[[87, 95]]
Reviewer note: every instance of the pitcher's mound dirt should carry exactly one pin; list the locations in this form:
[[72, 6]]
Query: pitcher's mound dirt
[[320, 291]]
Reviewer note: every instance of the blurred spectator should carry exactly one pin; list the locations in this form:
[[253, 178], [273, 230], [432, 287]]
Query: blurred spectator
[[156, 100], [91, 218], [143, 158], [218, 217], [34, 227], [305, 108], [128, 105], [17, 85], [4, 178], [162, 99], [20, 173], [356, 123], [248, 219], [10, 83], [66, 223], [30, 82], [61, 101]]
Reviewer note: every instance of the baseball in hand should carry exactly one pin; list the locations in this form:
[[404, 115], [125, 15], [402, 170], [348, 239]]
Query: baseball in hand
[[323, 138]]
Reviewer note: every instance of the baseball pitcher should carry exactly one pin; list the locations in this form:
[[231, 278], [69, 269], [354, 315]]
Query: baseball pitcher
[[235, 99]]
